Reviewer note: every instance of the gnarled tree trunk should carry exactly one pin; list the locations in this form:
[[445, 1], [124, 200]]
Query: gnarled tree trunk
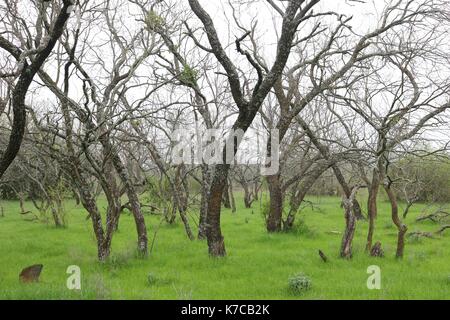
[[402, 228]]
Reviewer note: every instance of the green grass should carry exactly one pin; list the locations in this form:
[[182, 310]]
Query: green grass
[[258, 264]]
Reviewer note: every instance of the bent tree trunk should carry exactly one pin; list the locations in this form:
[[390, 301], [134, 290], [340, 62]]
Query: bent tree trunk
[[347, 192], [273, 221], [135, 205], [21, 88], [300, 192], [402, 228]]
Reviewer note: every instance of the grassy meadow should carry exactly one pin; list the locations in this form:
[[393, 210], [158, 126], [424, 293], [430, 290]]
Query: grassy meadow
[[258, 264]]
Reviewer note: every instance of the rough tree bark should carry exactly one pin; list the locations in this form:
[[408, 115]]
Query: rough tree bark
[[350, 224], [247, 109], [402, 228], [26, 77], [273, 223]]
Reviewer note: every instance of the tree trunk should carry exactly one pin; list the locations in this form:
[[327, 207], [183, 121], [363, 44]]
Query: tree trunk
[[216, 245], [135, 205], [402, 228], [350, 225], [226, 196], [296, 199], [233, 201], [56, 219], [247, 197], [300, 192], [206, 179], [347, 192], [21, 202], [91, 207], [372, 207], [273, 221]]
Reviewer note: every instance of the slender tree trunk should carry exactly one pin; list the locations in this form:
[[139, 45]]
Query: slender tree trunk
[[247, 197], [402, 228], [233, 201], [21, 202], [226, 197], [206, 178], [372, 208], [300, 193], [273, 221], [91, 207], [296, 200], [56, 219], [134, 204], [345, 187]]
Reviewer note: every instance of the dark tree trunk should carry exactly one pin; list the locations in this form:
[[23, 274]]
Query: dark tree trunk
[[20, 89], [206, 178], [372, 208], [273, 221], [216, 245], [91, 207], [233, 201], [226, 196]]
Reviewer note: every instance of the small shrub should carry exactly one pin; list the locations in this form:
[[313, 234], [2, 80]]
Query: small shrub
[[152, 279], [301, 228], [98, 286], [414, 238], [122, 258], [299, 283]]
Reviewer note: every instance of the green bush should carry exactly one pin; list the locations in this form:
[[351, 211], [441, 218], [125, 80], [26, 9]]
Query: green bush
[[152, 279], [299, 283]]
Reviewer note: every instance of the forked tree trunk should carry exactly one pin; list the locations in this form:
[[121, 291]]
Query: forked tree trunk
[[273, 220], [402, 228], [300, 193], [347, 192], [135, 205]]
